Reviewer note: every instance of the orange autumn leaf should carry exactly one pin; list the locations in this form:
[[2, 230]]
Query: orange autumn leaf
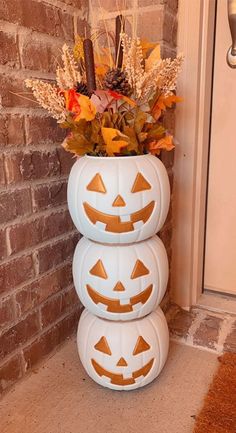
[[88, 109], [162, 103], [164, 143], [80, 105], [114, 140]]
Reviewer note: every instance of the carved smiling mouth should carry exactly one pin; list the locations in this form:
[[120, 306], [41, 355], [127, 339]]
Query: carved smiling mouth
[[118, 379], [114, 305], [114, 223]]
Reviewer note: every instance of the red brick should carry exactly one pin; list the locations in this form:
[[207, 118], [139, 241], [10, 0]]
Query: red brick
[[15, 272], [69, 299], [38, 54], [69, 324], [7, 311], [230, 342], [37, 292], [12, 130], [43, 130], [208, 332], [111, 6], [31, 165], [55, 282], [11, 87], [49, 195], [172, 4], [56, 253], [66, 161], [10, 372], [41, 347], [170, 29], [51, 310], [150, 25], [74, 3], [169, 120], [28, 234], [166, 235], [8, 50], [19, 334], [50, 339], [40, 17], [14, 204], [27, 299], [57, 306], [171, 179], [179, 325], [2, 172], [167, 158], [3, 244]]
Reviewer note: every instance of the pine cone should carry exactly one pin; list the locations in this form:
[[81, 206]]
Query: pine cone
[[82, 89], [116, 79]]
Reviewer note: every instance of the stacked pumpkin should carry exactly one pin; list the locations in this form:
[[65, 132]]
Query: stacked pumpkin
[[120, 267]]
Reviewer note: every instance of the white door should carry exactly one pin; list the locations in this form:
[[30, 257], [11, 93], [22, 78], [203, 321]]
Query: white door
[[220, 242]]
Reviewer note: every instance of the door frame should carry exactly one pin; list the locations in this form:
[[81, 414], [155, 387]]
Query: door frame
[[196, 23]]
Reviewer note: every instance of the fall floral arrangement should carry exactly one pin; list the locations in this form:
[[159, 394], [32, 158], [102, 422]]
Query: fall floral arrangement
[[111, 99]]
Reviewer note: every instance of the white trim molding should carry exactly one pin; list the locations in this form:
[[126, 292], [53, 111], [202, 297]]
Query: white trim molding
[[196, 20]]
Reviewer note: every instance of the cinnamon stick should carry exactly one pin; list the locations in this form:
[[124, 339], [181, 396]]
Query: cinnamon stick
[[89, 65]]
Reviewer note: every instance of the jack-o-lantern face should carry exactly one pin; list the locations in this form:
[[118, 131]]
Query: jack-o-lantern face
[[113, 223], [123, 355], [117, 199], [117, 378], [120, 282]]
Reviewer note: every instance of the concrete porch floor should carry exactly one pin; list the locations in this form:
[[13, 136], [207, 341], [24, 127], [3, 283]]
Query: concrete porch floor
[[59, 397]]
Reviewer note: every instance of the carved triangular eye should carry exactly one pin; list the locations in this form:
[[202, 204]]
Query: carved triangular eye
[[141, 346], [139, 270], [140, 184], [102, 346], [97, 184], [98, 270]]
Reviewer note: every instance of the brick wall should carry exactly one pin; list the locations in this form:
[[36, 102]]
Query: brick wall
[[155, 20], [38, 306]]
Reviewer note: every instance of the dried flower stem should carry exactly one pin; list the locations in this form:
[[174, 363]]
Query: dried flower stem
[[68, 76], [49, 98]]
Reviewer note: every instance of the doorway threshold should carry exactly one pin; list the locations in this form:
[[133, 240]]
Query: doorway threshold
[[220, 302], [201, 327]]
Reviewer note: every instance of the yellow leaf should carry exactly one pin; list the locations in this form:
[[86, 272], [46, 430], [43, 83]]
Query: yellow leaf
[[146, 46], [162, 103], [101, 70], [78, 48], [113, 143], [77, 145], [164, 143], [154, 57], [88, 109]]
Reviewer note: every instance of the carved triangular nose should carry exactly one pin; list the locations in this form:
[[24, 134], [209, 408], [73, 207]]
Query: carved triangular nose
[[121, 363], [119, 287], [119, 201]]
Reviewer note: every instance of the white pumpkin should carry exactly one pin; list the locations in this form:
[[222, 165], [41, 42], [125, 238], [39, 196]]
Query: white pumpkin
[[118, 199], [123, 355], [120, 282]]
